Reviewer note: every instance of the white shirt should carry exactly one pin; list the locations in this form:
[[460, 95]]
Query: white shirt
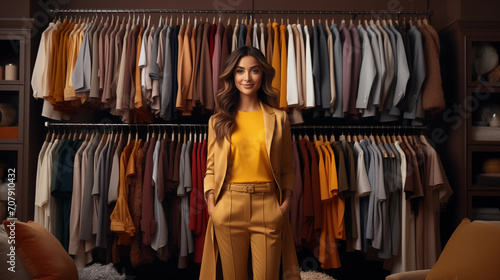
[[310, 100], [292, 96]]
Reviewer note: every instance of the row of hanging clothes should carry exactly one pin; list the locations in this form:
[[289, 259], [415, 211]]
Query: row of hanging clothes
[[108, 194], [380, 194], [140, 69]]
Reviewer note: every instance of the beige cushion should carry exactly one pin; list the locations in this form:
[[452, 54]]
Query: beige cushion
[[41, 254], [473, 252], [409, 275]]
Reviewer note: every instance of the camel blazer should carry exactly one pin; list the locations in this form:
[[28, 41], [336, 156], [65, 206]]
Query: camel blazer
[[279, 149]]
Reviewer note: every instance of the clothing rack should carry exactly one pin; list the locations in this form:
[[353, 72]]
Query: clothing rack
[[354, 13], [359, 128], [356, 127], [49, 124], [293, 127]]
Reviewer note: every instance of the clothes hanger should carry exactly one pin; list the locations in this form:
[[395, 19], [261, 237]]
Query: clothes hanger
[[423, 139], [87, 135], [48, 136], [332, 136], [372, 139], [75, 135], [147, 135], [388, 139], [425, 21], [159, 133], [108, 137], [195, 135], [69, 134], [383, 139], [64, 134], [399, 138], [129, 136], [410, 139]]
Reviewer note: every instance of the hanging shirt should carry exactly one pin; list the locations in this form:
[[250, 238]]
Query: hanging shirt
[[368, 72], [310, 93], [338, 111]]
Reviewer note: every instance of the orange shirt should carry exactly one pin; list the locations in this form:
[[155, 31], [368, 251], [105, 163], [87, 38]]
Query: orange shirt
[[138, 89], [121, 220]]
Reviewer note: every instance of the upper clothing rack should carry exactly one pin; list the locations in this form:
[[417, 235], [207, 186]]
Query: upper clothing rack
[[253, 12], [294, 127]]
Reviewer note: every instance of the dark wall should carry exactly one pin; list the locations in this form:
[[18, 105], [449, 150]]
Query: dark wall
[[445, 11], [15, 9]]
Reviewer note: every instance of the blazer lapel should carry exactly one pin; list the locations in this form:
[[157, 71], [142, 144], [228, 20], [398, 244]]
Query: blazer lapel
[[269, 122]]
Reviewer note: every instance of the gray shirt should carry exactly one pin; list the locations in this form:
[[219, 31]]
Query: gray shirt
[[82, 72], [368, 70], [337, 53], [417, 73], [101, 197], [87, 206]]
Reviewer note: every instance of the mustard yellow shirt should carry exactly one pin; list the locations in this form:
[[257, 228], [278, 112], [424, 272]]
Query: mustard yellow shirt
[[249, 161]]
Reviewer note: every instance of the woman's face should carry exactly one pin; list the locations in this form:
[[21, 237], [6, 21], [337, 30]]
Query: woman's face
[[248, 75]]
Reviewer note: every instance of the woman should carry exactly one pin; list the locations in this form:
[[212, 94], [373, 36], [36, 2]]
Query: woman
[[249, 179]]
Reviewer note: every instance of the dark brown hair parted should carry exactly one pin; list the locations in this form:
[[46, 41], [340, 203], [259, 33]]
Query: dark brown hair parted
[[228, 96]]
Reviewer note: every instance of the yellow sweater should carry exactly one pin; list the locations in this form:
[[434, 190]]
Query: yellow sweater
[[249, 161]]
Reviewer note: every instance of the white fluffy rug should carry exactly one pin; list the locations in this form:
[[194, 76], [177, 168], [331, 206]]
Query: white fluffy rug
[[108, 272], [100, 272], [314, 275]]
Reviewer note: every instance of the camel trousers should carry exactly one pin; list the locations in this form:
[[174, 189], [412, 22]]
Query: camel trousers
[[248, 217]]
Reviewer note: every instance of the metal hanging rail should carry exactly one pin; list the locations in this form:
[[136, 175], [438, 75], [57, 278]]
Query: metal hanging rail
[[49, 124], [293, 127], [253, 12], [360, 127]]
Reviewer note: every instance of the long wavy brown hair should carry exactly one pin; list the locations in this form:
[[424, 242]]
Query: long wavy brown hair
[[228, 96]]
